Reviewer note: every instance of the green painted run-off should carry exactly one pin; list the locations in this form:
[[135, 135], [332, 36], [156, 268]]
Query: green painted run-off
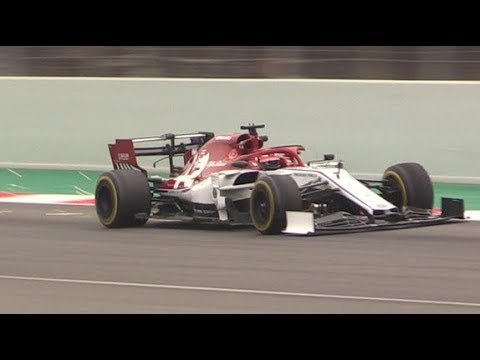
[[83, 183], [48, 181]]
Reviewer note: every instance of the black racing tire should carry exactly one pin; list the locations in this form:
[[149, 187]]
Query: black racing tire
[[123, 199], [412, 184], [271, 198]]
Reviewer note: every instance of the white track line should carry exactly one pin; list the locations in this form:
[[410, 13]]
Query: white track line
[[242, 80], [243, 291], [17, 186], [85, 176], [63, 214], [84, 192], [14, 172]]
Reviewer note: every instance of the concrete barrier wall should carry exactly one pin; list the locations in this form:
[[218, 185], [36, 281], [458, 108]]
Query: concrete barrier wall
[[67, 122]]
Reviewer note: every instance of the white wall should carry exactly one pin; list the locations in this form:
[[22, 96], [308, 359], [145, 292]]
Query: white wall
[[67, 122]]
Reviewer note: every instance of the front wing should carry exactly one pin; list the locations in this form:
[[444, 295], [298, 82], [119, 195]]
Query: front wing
[[305, 223]]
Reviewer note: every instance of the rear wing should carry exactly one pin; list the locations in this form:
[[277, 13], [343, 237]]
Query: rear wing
[[125, 151]]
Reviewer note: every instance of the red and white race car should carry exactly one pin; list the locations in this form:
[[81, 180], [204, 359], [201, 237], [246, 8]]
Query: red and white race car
[[234, 179]]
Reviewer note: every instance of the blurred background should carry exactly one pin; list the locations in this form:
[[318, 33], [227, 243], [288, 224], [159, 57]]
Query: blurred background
[[339, 62]]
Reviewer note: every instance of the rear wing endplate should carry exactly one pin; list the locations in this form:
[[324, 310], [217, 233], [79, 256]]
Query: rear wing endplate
[[124, 153]]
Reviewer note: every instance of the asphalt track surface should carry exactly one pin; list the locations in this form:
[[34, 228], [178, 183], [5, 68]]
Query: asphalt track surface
[[59, 259]]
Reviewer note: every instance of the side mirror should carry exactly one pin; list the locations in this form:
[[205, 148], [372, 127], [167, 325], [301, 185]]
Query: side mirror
[[242, 164]]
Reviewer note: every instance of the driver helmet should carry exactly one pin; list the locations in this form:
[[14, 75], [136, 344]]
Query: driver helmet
[[269, 162]]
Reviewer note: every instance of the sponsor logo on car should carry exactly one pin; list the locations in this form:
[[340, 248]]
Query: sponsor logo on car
[[123, 156], [215, 163], [223, 138]]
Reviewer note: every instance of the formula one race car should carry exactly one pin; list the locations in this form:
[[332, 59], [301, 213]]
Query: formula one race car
[[234, 179]]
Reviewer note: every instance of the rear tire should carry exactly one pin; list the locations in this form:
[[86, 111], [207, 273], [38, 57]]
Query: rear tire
[[271, 198], [412, 184], [122, 199]]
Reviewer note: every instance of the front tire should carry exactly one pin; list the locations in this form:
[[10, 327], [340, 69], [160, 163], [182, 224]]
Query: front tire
[[411, 186], [122, 199], [271, 198]]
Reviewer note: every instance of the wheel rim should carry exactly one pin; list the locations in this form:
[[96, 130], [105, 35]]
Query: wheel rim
[[262, 208], [397, 197], [104, 201]]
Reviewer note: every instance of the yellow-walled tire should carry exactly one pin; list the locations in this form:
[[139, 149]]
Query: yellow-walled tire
[[122, 199], [271, 197], [412, 184]]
